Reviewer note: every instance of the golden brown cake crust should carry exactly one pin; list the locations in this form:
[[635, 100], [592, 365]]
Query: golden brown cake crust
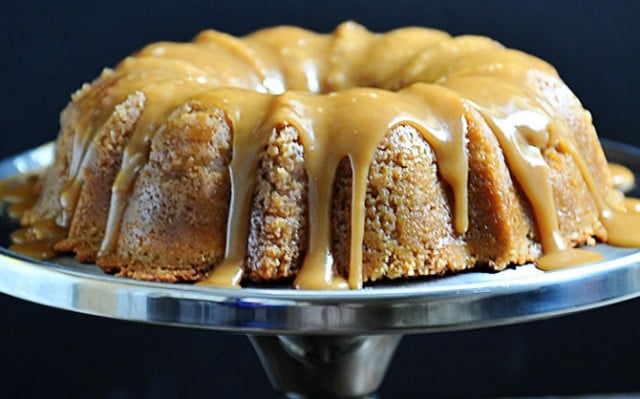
[[89, 222], [277, 236], [178, 209]]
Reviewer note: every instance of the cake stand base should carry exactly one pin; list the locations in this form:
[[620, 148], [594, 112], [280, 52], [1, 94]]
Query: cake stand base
[[326, 366]]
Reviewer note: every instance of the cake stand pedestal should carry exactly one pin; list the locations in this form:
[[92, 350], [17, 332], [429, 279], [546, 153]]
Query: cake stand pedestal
[[326, 366], [326, 343]]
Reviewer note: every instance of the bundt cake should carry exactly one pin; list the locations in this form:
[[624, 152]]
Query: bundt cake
[[332, 160]]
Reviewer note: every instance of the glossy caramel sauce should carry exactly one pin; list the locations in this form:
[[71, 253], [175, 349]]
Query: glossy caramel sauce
[[632, 204], [622, 178], [342, 104], [37, 240]]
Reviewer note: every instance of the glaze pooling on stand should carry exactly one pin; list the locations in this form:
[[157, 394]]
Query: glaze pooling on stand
[[288, 77]]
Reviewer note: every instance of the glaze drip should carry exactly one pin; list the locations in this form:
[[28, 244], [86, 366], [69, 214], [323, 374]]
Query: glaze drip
[[327, 140], [621, 177]]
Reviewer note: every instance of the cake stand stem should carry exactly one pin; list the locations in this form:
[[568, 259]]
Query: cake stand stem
[[325, 366]]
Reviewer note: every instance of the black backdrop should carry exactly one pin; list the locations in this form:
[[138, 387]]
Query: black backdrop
[[47, 49]]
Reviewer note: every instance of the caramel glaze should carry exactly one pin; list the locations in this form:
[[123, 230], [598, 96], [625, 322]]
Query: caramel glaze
[[621, 177], [37, 240], [316, 83]]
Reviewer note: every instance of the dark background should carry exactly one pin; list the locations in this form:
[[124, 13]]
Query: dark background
[[47, 49]]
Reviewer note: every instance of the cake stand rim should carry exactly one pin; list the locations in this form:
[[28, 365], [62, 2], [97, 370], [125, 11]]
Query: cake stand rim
[[474, 300]]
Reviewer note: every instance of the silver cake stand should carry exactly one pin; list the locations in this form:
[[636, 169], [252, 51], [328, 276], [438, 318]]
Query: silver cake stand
[[335, 343]]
